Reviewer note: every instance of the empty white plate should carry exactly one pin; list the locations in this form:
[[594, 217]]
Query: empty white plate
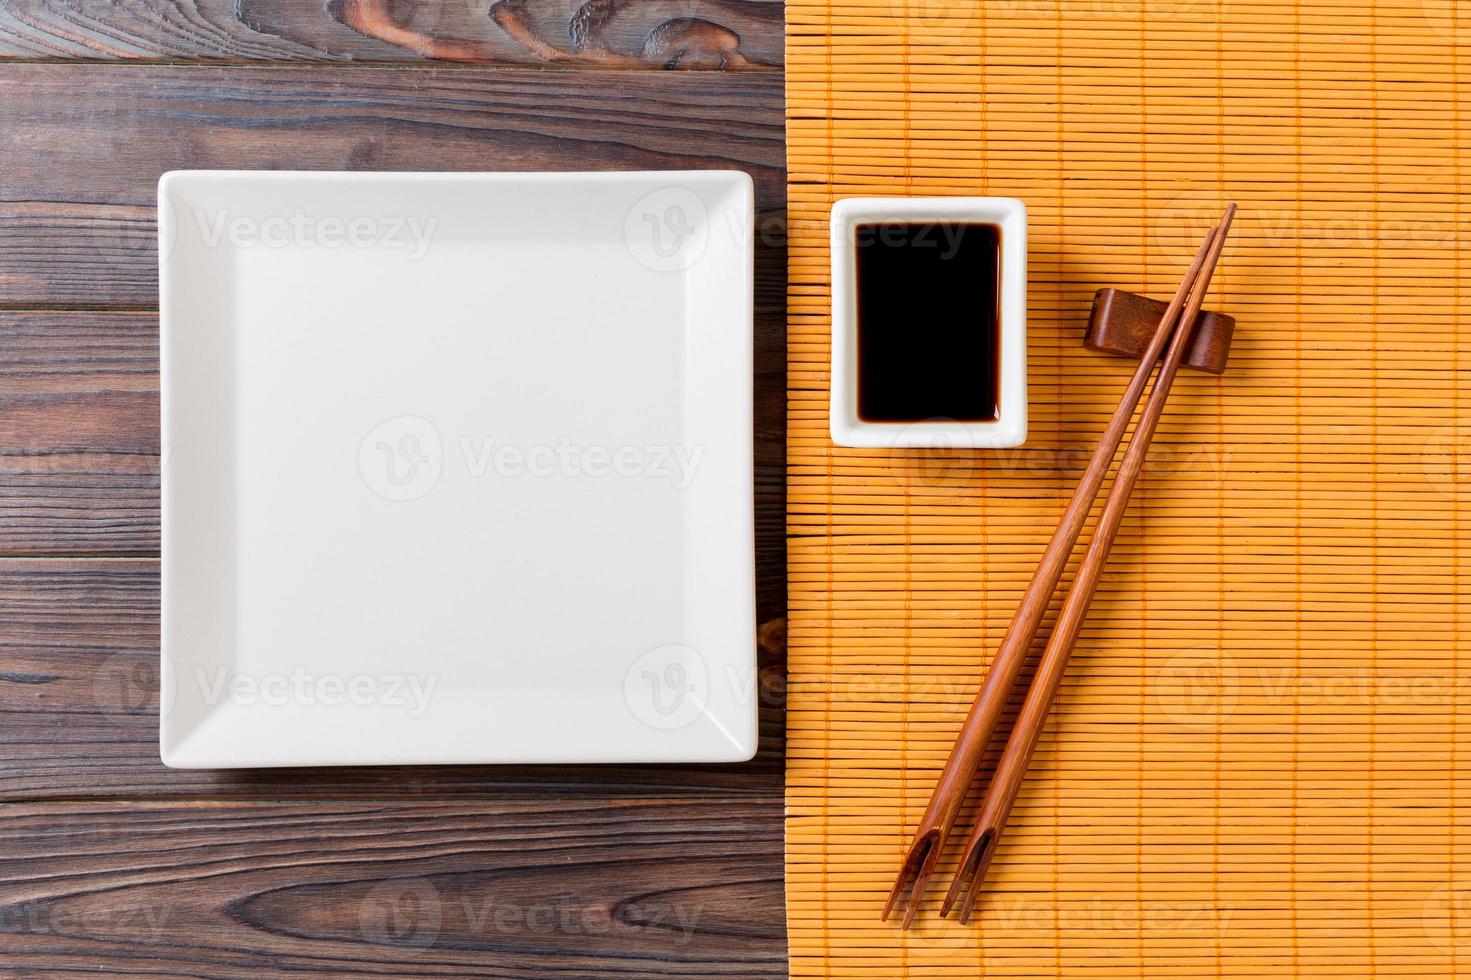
[[457, 468]]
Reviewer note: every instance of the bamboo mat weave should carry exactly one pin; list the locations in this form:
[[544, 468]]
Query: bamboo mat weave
[[1260, 763]]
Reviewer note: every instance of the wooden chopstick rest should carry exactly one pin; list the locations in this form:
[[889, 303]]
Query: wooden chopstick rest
[[1123, 323]]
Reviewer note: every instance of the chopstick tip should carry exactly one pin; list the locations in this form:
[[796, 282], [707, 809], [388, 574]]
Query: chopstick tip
[[914, 875], [968, 877], [1228, 218]]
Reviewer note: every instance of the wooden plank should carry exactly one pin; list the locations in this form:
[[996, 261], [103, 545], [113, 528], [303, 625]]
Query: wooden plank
[[744, 34], [79, 457], [79, 711], [609, 871], [622, 887], [78, 174], [77, 227]]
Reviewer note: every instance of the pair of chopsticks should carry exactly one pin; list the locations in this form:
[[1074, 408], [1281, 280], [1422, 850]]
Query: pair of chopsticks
[[975, 734]]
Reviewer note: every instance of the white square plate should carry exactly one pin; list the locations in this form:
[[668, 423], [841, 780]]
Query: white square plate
[[457, 468]]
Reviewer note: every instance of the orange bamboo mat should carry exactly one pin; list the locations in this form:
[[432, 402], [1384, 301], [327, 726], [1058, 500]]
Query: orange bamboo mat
[[1261, 760]]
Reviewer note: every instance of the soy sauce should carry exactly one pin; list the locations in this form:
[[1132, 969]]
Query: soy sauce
[[928, 321]]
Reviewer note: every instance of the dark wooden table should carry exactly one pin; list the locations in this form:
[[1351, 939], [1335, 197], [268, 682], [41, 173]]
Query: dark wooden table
[[108, 861]]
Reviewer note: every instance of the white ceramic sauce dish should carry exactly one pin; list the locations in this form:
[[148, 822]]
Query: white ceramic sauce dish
[[1009, 426]]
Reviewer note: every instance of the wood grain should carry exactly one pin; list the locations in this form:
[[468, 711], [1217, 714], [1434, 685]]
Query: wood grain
[[77, 191], [599, 33], [77, 228], [112, 863], [519, 888], [79, 711], [79, 458]]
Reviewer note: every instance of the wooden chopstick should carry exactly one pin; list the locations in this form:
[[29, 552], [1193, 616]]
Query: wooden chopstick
[[975, 734], [1011, 770]]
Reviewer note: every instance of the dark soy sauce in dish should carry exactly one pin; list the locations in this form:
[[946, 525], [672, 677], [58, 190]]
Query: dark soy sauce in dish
[[928, 306]]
